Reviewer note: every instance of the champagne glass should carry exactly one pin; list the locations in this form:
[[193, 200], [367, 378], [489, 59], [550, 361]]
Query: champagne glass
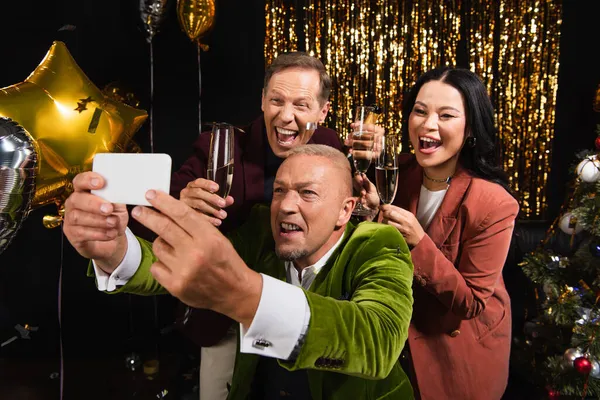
[[362, 147], [220, 157], [220, 169], [311, 127], [386, 168]]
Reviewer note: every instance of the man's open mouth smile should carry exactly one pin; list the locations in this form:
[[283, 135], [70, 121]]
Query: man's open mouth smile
[[285, 137]]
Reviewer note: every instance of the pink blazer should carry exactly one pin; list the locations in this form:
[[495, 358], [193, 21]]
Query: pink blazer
[[459, 337]]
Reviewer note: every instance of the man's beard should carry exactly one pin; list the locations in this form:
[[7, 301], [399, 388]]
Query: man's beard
[[291, 255]]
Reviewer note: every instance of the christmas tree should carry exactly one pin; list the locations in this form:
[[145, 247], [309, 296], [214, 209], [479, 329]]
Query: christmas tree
[[562, 344]]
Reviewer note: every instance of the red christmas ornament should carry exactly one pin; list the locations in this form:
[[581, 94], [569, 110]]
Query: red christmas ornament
[[553, 394], [582, 365], [597, 143]]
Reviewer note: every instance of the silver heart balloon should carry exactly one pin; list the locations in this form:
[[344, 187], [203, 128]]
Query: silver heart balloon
[[18, 169]]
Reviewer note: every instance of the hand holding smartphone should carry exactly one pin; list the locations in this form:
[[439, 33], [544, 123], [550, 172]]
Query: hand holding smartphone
[[129, 176]]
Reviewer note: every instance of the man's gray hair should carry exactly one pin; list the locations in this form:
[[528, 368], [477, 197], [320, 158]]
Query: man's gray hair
[[298, 59]]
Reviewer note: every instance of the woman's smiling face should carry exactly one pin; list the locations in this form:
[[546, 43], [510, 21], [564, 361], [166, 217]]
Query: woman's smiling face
[[436, 125]]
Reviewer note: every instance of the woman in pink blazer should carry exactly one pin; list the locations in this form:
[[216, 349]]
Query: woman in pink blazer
[[455, 210]]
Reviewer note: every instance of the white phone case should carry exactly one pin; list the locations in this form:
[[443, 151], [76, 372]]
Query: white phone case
[[129, 176]]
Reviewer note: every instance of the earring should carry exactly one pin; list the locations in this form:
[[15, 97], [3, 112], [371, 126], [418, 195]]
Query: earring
[[471, 141]]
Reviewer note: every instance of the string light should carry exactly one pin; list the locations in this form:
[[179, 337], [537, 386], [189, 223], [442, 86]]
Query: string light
[[375, 51]]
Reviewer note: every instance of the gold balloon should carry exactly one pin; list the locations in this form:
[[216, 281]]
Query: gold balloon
[[115, 91], [196, 17], [70, 120], [119, 94]]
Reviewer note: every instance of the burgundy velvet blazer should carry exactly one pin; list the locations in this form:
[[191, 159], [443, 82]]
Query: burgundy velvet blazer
[[460, 333], [206, 327]]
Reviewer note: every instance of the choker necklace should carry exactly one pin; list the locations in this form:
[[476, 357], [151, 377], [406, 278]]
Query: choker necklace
[[446, 181]]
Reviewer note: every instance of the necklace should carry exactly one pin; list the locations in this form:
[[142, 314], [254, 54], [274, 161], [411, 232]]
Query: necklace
[[446, 181]]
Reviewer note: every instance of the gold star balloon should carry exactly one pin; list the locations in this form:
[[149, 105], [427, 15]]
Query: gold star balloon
[[69, 120]]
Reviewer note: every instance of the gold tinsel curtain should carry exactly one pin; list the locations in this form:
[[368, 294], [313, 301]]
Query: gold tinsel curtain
[[375, 50]]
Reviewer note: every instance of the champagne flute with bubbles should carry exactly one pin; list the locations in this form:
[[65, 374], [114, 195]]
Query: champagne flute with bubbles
[[386, 168], [220, 157], [362, 147], [220, 168]]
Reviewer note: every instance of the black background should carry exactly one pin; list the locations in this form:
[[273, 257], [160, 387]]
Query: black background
[[109, 45]]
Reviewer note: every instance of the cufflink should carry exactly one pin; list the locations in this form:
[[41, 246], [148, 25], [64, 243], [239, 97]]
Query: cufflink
[[261, 344]]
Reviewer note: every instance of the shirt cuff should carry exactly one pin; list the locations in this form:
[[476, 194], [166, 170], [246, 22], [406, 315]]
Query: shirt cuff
[[280, 322], [125, 270]]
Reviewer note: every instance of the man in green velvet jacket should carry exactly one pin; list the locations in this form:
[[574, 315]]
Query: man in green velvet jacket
[[323, 305]]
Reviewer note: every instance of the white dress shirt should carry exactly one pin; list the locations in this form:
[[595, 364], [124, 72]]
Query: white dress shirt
[[125, 270], [429, 203], [283, 313]]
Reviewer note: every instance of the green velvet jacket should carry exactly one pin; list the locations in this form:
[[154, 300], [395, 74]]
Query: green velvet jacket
[[360, 303]]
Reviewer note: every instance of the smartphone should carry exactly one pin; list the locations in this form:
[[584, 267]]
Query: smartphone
[[129, 176]]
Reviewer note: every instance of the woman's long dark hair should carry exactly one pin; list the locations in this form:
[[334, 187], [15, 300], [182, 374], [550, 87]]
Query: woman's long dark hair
[[483, 159]]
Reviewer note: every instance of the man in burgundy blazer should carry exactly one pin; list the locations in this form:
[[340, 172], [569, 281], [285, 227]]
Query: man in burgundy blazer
[[460, 333], [254, 165]]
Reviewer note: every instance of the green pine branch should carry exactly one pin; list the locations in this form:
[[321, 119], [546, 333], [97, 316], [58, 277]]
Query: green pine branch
[[567, 275], [587, 338]]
